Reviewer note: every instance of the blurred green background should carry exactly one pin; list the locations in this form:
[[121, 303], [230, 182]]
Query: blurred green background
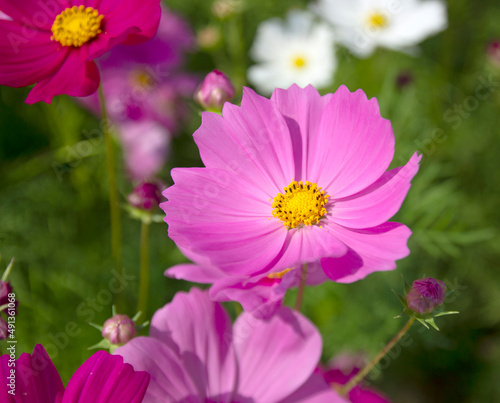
[[54, 215]]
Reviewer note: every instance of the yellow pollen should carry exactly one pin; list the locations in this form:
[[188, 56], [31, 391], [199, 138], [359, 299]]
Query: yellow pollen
[[299, 62], [142, 79], [279, 274], [76, 26], [300, 204], [378, 20]]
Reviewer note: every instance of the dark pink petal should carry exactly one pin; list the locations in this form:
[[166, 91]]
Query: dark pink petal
[[275, 356], [252, 141], [170, 380], [379, 202], [354, 145], [104, 378], [39, 14], [303, 110], [370, 250], [36, 378], [27, 56], [125, 22], [217, 213], [315, 390], [75, 77], [202, 331]]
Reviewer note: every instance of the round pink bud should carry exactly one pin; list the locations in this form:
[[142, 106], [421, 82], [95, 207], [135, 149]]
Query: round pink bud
[[215, 89], [425, 295], [493, 51], [145, 196], [5, 290], [119, 329], [4, 331]]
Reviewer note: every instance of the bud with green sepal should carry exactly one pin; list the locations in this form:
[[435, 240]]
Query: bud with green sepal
[[117, 331], [423, 300]]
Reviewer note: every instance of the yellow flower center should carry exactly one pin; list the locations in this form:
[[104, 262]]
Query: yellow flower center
[[299, 62], [142, 79], [279, 274], [377, 20], [76, 26], [300, 204]]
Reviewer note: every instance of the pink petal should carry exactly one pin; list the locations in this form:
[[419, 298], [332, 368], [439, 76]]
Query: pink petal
[[315, 390], [354, 145], [307, 245], [216, 213], [379, 202], [194, 273], [104, 378], [253, 141], [146, 145], [275, 356], [36, 378], [170, 380], [202, 331], [372, 249], [32, 13], [303, 110], [26, 56], [75, 77]]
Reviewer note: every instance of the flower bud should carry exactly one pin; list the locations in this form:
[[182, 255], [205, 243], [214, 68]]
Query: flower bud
[[119, 329], [5, 290], [215, 89], [4, 330], [145, 196], [425, 295], [493, 52]]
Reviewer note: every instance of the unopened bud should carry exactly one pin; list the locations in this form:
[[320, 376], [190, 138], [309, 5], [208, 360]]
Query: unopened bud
[[425, 295], [214, 91], [4, 330], [118, 329], [145, 196], [493, 52]]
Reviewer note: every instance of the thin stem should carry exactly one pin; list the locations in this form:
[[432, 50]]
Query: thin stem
[[361, 374], [116, 230], [144, 267], [302, 286]]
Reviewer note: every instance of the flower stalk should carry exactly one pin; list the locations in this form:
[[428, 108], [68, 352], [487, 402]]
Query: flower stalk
[[344, 390], [116, 235], [302, 286], [144, 268]]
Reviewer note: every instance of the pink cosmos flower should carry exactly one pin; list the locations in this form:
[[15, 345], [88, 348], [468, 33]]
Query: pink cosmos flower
[[102, 378], [53, 42], [298, 178], [195, 355]]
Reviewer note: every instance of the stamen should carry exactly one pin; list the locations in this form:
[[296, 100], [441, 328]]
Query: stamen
[[300, 204], [76, 26]]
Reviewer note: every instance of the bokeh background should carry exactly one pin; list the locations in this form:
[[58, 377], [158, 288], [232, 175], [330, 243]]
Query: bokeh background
[[54, 215]]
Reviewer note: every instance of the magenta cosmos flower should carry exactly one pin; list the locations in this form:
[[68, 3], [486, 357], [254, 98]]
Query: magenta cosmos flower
[[298, 178], [53, 42], [103, 378], [195, 355]]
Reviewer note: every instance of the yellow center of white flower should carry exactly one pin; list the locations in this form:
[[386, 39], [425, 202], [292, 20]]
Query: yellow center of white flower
[[279, 274], [76, 26], [299, 62], [377, 20], [300, 204]]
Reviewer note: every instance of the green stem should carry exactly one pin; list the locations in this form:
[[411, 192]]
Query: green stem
[[302, 286], [116, 230], [144, 269], [344, 390]]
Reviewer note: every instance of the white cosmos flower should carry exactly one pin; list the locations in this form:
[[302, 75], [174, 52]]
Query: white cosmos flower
[[299, 50], [362, 25]]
